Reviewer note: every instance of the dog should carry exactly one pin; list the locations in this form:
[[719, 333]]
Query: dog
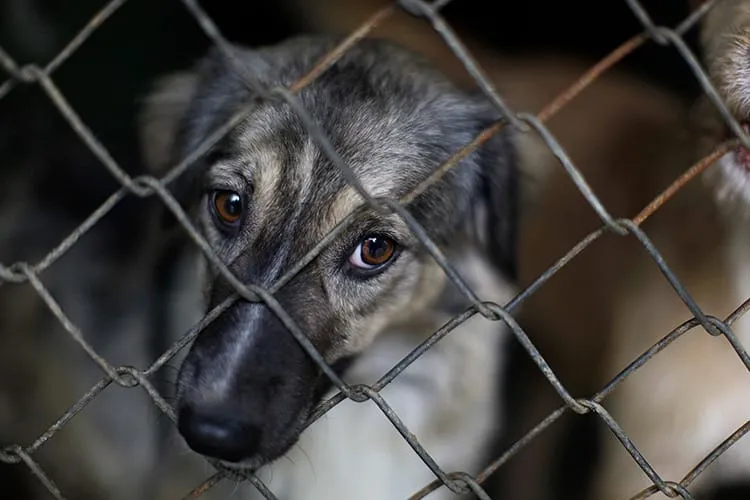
[[631, 109], [263, 197]]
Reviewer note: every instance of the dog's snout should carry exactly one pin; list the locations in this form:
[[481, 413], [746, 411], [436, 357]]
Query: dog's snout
[[244, 388], [218, 435]]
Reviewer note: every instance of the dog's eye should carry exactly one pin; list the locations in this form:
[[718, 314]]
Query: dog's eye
[[373, 252], [228, 207]]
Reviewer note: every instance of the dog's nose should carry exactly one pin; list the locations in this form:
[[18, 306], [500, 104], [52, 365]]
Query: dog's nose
[[224, 438]]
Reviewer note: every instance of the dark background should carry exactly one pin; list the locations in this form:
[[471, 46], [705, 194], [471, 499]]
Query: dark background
[[105, 78]]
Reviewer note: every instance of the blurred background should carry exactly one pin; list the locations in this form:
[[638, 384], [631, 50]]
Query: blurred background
[[110, 72], [50, 181]]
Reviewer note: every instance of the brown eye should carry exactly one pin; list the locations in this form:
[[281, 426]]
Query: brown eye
[[228, 206], [374, 251]]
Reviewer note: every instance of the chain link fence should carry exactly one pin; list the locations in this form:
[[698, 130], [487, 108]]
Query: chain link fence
[[147, 186]]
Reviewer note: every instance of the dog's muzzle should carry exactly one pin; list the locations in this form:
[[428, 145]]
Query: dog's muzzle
[[245, 388]]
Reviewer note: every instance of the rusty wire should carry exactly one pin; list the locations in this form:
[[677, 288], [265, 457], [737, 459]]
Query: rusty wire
[[147, 186]]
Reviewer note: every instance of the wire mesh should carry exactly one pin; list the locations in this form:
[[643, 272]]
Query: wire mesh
[[148, 186]]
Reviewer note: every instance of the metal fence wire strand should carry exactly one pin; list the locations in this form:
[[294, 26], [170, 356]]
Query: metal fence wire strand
[[147, 186]]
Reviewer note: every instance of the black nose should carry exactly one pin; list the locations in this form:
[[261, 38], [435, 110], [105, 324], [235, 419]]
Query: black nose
[[217, 435]]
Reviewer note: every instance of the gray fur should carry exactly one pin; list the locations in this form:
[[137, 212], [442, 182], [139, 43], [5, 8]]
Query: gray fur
[[393, 119]]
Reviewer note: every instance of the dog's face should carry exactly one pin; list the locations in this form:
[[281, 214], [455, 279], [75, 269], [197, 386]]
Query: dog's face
[[725, 44], [266, 194]]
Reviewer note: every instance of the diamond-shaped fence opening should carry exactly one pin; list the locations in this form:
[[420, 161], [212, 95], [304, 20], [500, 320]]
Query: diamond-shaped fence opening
[[149, 187]]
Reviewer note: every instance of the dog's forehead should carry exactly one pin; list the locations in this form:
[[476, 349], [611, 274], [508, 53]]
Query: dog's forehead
[[373, 114], [294, 183], [273, 151], [390, 130]]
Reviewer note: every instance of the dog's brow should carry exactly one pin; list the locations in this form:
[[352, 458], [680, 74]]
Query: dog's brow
[[218, 153], [269, 178], [347, 199], [229, 174], [347, 202]]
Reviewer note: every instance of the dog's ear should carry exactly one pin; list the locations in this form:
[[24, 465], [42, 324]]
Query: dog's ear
[[512, 167], [496, 206]]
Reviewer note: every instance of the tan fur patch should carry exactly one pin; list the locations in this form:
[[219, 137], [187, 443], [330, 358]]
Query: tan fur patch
[[267, 181], [346, 202]]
